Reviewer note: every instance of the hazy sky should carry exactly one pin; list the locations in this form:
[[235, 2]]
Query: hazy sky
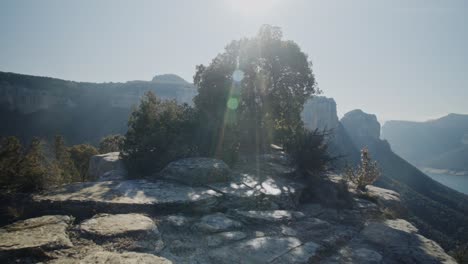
[[390, 58]]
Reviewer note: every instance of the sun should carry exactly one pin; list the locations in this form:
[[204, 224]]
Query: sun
[[252, 7]]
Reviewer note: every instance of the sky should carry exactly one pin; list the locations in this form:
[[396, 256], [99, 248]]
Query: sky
[[400, 60]]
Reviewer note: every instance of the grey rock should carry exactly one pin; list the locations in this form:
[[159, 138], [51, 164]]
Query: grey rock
[[300, 254], [386, 199], [355, 255], [126, 196], [178, 221], [400, 243], [263, 250], [114, 257], [45, 232], [220, 238], [214, 223], [288, 231], [107, 166], [320, 113], [197, 171], [361, 127], [119, 224], [275, 216]]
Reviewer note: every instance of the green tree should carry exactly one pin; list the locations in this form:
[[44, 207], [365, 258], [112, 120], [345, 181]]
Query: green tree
[[111, 143], [68, 171], [253, 93], [11, 155], [158, 133], [33, 172], [81, 154]]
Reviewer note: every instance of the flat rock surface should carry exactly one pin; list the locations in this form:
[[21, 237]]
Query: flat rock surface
[[45, 232], [216, 223], [133, 193], [264, 250], [108, 257], [119, 224], [269, 216], [197, 171]]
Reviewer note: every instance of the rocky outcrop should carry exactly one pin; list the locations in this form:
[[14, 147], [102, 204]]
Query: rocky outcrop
[[115, 257], [139, 196], [35, 235], [107, 167], [252, 218], [196, 171], [320, 113], [119, 224], [361, 127]]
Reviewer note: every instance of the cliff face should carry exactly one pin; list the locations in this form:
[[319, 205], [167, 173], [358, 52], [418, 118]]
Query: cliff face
[[361, 127], [27, 94], [437, 210], [320, 113], [440, 212], [81, 112]]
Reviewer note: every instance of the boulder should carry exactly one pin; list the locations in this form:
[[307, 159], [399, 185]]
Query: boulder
[[400, 242], [386, 199], [114, 257], [197, 171], [107, 166], [118, 225], [40, 233], [217, 222]]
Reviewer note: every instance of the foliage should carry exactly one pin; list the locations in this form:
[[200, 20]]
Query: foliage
[[309, 150], [64, 162], [158, 133], [365, 173], [10, 160], [33, 170], [111, 143], [254, 92], [81, 154], [40, 166]]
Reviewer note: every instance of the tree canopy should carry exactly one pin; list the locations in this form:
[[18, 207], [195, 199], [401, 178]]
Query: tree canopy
[[255, 89]]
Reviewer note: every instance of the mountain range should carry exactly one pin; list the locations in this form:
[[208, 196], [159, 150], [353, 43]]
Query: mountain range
[[80, 111], [440, 144], [85, 112]]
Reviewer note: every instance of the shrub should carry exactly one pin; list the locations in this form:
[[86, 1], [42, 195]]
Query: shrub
[[158, 133], [365, 173], [309, 150], [111, 143], [81, 154]]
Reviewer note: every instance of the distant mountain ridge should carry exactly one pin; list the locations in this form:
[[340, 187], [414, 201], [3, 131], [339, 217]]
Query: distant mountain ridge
[[81, 111], [440, 144], [438, 211]]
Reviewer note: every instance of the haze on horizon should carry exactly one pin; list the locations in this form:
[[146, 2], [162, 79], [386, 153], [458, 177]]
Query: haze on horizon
[[398, 60]]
